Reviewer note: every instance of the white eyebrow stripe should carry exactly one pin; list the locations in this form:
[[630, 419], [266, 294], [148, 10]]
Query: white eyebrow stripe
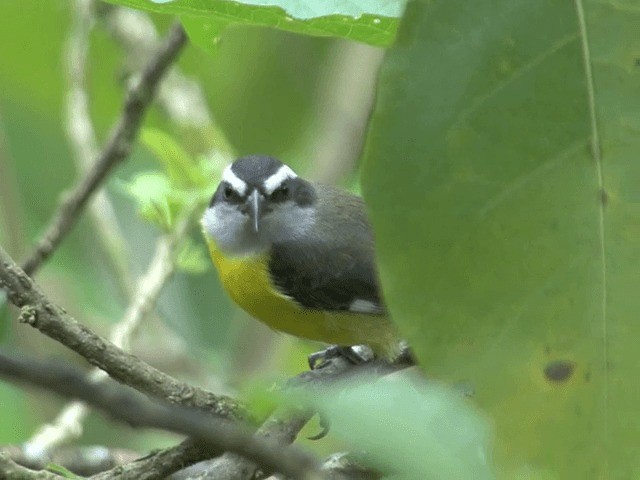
[[236, 182], [275, 180]]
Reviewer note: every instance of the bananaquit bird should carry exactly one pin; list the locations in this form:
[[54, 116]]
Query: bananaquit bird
[[299, 256]]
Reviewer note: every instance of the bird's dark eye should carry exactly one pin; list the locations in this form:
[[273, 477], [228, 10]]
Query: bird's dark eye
[[230, 195], [280, 194]]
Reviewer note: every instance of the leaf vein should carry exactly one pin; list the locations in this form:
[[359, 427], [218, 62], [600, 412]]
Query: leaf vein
[[523, 180], [479, 101], [596, 151]]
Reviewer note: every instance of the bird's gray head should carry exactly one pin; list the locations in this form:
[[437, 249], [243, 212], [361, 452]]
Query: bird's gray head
[[259, 201]]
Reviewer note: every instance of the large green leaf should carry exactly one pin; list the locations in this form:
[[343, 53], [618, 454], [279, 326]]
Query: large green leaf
[[368, 21], [503, 180]]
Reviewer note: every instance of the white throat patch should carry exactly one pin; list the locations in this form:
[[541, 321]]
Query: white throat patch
[[275, 180], [237, 183]]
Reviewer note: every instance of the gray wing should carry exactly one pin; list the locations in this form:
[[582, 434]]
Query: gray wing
[[333, 267]]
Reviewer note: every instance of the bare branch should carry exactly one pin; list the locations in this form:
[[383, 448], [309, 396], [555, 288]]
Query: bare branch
[[82, 140], [10, 469], [56, 323], [117, 148], [346, 99], [133, 408], [281, 428]]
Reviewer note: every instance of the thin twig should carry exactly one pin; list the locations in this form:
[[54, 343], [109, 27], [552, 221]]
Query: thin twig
[[133, 408], [82, 140], [68, 424], [344, 103], [180, 97], [116, 149], [39, 312]]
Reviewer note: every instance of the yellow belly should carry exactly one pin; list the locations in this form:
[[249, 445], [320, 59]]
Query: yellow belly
[[246, 279]]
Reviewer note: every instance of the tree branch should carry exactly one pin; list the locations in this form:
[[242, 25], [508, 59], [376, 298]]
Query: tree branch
[[10, 469], [116, 149], [133, 408], [56, 323], [282, 427]]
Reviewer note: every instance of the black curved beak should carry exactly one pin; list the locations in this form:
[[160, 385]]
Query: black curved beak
[[255, 208]]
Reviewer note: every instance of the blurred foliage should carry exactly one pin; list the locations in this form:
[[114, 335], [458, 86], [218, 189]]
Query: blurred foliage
[[410, 430], [509, 257], [177, 187]]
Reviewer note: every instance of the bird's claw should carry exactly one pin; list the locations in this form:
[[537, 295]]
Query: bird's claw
[[358, 354], [324, 425]]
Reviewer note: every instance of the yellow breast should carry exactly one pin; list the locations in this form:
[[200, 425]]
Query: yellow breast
[[247, 281]]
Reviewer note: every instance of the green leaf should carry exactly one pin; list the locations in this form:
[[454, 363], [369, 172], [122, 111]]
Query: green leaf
[[161, 202], [204, 32], [410, 430], [368, 21], [502, 179], [62, 471], [151, 191], [180, 166], [192, 258], [261, 397], [210, 168]]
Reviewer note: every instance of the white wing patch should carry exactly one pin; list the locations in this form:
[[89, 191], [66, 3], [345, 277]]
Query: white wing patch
[[236, 182], [364, 306], [275, 180]]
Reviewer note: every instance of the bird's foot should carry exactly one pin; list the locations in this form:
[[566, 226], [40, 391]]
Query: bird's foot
[[325, 427], [405, 355], [356, 355]]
